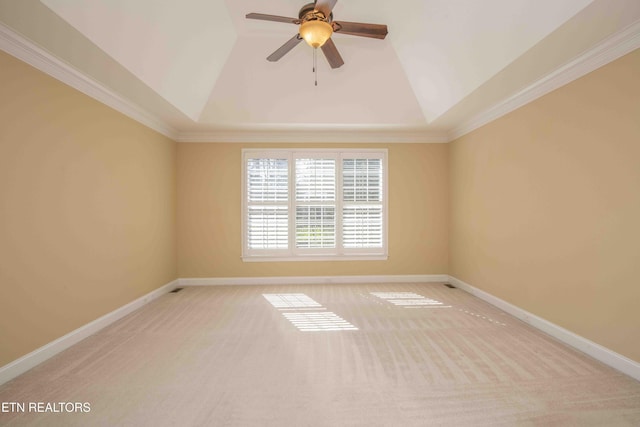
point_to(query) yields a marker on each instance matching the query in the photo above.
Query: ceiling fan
(316, 27)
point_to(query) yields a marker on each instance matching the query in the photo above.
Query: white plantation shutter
(315, 200)
(362, 209)
(315, 227)
(267, 203)
(314, 204)
(362, 226)
(268, 227)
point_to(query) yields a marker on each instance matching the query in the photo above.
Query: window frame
(325, 254)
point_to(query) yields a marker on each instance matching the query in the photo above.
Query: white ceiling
(199, 66)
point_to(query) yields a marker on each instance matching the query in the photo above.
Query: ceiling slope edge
(25, 50)
(608, 50)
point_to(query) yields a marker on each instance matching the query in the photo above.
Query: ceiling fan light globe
(315, 32)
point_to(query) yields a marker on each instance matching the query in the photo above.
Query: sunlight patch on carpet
(409, 300)
(321, 321)
(296, 307)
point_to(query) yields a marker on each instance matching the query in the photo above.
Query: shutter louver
(267, 204)
(315, 203)
(362, 222)
(362, 226)
(315, 227)
(268, 227)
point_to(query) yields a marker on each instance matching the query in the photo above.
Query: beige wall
(539, 208)
(87, 209)
(545, 207)
(209, 234)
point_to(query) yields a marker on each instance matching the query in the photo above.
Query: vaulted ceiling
(198, 69)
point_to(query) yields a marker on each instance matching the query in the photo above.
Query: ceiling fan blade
(375, 31)
(331, 53)
(285, 48)
(325, 6)
(275, 18)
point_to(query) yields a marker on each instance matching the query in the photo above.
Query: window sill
(313, 258)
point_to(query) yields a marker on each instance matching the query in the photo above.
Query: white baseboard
(313, 280)
(598, 352)
(43, 353)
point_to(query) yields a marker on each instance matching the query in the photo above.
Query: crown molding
(292, 135)
(25, 50)
(608, 50)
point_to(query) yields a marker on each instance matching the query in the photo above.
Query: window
(314, 205)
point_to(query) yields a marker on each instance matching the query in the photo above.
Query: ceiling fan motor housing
(308, 13)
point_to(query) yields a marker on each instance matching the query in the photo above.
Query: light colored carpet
(331, 355)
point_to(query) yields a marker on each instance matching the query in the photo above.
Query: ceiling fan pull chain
(315, 64)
